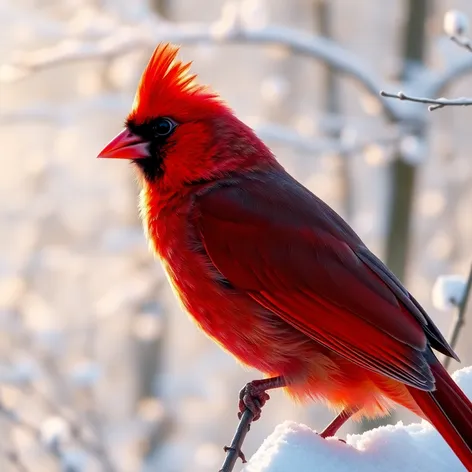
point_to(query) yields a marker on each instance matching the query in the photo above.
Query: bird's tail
(450, 412)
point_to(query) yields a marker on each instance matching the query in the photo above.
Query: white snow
(415, 447)
(455, 23)
(448, 291)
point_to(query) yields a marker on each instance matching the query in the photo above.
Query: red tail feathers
(450, 412)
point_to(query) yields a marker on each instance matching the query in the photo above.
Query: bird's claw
(238, 451)
(253, 398)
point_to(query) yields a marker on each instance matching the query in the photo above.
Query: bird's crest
(165, 80)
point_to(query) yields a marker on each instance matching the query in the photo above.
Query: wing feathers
(269, 236)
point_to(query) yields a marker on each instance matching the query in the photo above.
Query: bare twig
(463, 42)
(459, 320)
(233, 452)
(435, 103)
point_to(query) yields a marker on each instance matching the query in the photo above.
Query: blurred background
(99, 368)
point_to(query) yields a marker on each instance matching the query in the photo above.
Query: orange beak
(126, 145)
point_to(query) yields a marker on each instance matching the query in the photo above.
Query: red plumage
(269, 271)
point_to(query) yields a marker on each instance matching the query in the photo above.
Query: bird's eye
(163, 127)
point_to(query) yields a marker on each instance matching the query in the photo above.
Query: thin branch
(126, 39)
(435, 103)
(434, 84)
(233, 452)
(462, 41)
(459, 320)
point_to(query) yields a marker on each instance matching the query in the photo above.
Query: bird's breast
(221, 311)
(228, 315)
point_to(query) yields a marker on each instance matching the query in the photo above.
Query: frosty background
(99, 368)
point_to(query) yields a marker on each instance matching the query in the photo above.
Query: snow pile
(415, 447)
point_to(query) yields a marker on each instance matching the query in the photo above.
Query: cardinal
(270, 272)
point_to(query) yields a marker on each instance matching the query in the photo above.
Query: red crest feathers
(165, 81)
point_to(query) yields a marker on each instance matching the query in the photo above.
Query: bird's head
(178, 131)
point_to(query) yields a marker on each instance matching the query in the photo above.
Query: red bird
(272, 273)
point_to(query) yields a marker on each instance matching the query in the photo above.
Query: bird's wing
(268, 235)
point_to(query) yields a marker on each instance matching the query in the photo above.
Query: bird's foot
(253, 396)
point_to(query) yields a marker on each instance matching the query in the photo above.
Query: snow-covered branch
(456, 25)
(230, 29)
(227, 30)
(453, 291)
(432, 84)
(436, 84)
(459, 320)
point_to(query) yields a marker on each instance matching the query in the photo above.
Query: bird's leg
(253, 395)
(334, 426)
